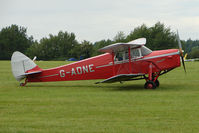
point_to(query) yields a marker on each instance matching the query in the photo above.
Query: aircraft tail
(23, 66)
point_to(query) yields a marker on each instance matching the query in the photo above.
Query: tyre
(149, 85)
(157, 83)
(22, 84)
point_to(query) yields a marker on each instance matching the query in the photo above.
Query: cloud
(94, 20)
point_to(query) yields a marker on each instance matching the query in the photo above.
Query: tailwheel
(23, 84)
(150, 85)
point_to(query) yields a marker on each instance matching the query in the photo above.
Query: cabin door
(121, 60)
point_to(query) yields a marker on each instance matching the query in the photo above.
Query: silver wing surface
(122, 46)
(120, 78)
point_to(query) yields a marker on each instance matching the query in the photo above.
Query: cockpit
(135, 53)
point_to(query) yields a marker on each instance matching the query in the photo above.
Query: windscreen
(145, 51)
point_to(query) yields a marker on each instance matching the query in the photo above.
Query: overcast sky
(94, 20)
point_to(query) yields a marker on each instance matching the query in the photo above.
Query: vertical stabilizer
(20, 65)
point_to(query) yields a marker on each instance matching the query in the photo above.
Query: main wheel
(157, 83)
(149, 85)
(22, 84)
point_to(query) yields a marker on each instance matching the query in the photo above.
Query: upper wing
(122, 46)
(119, 78)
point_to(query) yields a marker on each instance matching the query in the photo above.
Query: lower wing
(120, 77)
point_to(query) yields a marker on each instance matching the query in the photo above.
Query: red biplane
(120, 62)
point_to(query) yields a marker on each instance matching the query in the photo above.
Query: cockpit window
(135, 53)
(145, 51)
(119, 56)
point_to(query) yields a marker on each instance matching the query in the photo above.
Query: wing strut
(113, 63)
(130, 65)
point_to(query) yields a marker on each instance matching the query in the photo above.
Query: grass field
(82, 106)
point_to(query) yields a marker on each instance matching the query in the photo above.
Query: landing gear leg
(152, 80)
(23, 84)
(157, 83)
(155, 78)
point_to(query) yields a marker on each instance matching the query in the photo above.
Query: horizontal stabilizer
(119, 78)
(29, 73)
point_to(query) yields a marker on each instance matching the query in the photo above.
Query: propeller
(34, 58)
(181, 52)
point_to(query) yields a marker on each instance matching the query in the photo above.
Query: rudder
(21, 64)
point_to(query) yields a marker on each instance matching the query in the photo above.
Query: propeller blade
(34, 58)
(181, 52)
(182, 58)
(179, 43)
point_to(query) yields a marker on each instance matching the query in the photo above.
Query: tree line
(64, 45)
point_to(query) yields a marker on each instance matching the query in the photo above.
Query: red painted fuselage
(104, 66)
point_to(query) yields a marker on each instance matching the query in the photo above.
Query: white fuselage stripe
(157, 56)
(49, 76)
(104, 65)
(145, 58)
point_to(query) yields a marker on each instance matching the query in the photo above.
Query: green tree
(195, 52)
(120, 37)
(138, 32)
(86, 49)
(189, 46)
(100, 44)
(13, 38)
(162, 37)
(56, 47)
(158, 36)
(35, 50)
